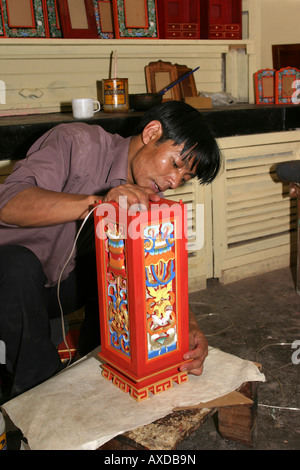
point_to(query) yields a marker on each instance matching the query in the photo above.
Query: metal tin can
(115, 95)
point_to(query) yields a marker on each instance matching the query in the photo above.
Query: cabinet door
(219, 11)
(180, 11)
(173, 10)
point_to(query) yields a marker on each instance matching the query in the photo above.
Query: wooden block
(238, 423)
(199, 102)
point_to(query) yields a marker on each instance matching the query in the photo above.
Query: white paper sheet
(79, 409)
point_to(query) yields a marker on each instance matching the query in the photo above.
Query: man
(65, 172)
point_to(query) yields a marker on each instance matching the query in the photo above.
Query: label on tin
(114, 92)
(3, 444)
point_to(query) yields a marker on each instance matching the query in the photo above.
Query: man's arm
(37, 207)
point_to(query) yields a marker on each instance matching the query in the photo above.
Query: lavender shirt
(73, 158)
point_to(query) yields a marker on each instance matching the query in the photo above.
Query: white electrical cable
(289, 408)
(59, 281)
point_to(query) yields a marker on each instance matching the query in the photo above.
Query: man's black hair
(184, 124)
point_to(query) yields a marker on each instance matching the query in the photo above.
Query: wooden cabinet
(179, 19)
(224, 19)
(195, 19)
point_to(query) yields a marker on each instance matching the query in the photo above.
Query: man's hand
(198, 348)
(128, 195)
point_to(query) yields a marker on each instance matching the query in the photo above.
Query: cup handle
(98, 106)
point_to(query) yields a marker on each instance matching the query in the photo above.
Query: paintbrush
(162, 92)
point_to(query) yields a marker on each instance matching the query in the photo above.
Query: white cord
(279, 407)
(288, 408)
(59, 281)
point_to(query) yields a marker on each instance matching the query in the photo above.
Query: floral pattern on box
(52, 13)
(101, 34)
(122, 31)
(1, 22)
(20, 32)
(45, 19)
(265, 86)
(286, 85)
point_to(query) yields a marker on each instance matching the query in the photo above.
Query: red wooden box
(179, 19)
(200, 19)
(224, 19)
(142, 270)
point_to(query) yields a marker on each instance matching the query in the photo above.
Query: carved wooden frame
(21, 30)
(52, 24)
(285, 78)
(100, 15)
(68, 30)
(125, 30)
(264, 82)
(158, 76)
(188, 84)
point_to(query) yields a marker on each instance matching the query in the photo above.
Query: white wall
(280, 24)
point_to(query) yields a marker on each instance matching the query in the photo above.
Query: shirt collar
(119, 168)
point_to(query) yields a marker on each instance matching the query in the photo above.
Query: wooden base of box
(139, 390)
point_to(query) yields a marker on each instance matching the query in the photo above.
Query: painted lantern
(142, 270)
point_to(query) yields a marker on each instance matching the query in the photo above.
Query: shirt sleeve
(45, 166)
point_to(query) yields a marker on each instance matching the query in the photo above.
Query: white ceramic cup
(84, 108)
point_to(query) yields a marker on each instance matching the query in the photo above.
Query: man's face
(159, 166)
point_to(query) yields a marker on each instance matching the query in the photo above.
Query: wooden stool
(236, 423)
